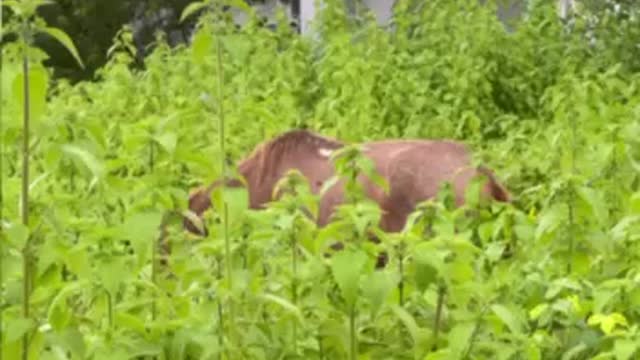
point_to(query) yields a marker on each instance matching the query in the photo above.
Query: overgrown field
(554, 275)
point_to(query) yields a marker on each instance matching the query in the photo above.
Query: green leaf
(201, 46)
(461, 271)
(625, 348)
(65, 40)
(58, 314)
(634, 201)
(240, 4)
(376, 289)
(574, 352)
(88, 159)
(608, 322)
(18, 326)
(168, 142)
(347, 266)
(551, 219)
(595, 202)
(78, 262)
(284, 304)
(113, 272)
(129, 321)
(514, 323)
(18, 234)
(460, 336)
(38, 80)
(408, 321)
(238, 46)
(192, 8)
(142, 229)
(237, 200)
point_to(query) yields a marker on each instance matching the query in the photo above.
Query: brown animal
(413, 169)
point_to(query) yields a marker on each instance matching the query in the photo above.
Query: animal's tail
(497, 190)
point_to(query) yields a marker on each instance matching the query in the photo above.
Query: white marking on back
(325, 152)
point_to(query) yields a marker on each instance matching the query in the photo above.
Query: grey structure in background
(302, 12)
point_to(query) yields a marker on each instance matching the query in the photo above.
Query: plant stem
(1, 210)
(352, 333)
(109, 309)
(474, 334)
(401, 272)
(436, 325)
(26, 252)
(223, 171)
(571, 194)
(220, 318)
(294, 288)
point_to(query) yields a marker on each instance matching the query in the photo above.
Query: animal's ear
(199, 200)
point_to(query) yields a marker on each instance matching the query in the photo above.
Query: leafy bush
(553, 275)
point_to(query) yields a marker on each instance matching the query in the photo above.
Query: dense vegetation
(553, 107)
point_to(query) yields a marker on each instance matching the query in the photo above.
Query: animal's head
(199, 202)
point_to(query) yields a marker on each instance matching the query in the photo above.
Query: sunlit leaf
(512, 321)
(168, 142)
(18, 234)
(607, 322)
(202, 46)
(37, 91)
(347, 268)
(192, 8)
(624, 349)
(65, 40)
(284, 304)
(87, 158)
(459, 337)
(18, 328)
(376, 287)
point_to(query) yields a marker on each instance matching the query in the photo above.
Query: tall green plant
(26, 26)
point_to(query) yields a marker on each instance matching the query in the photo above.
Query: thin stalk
(572, 195)
(436, 324)
(474, 334)
(26, 252)
(109, 309)
(158, 247)
(352, 333)
(401, 272)
(223, 170)
(294, 288)
(220, 319)
(1, 208)
(320, 347)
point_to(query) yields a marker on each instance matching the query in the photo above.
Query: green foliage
(552, 276)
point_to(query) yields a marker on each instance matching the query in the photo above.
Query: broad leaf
(65, 40)
(346, 267)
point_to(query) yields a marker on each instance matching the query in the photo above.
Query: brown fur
(413, 169)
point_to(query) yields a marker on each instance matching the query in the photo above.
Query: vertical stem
(571, 194)
(320, 347)
(352, 333)
(151, 156)
(294, 288)
(401, 272)
(475, 332)
(220, 318)
(1, 207)
(26, 252)
(223, 170)
(436, 324)
(109, 309)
